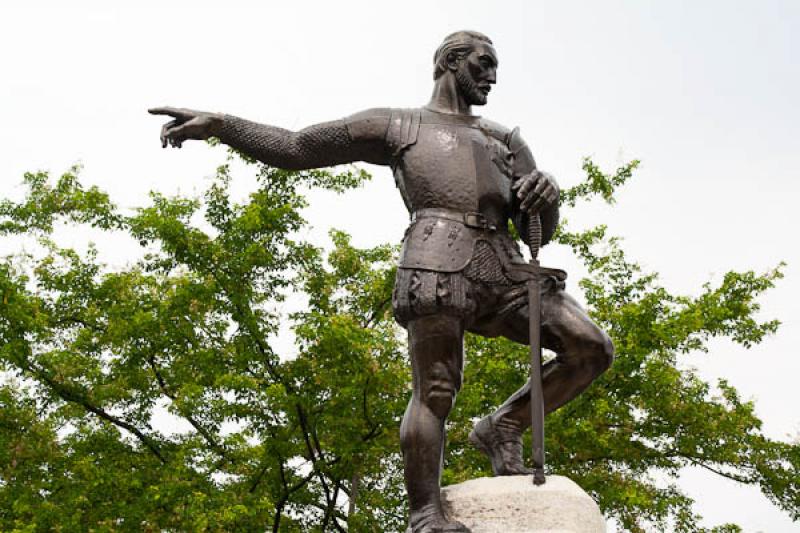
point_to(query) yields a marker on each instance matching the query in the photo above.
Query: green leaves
(163, 395)
(46, 202)
(598, 183)
(116, 358)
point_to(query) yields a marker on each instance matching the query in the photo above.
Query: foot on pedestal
(430, 519)
(503, 445)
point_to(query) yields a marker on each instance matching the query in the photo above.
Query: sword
(535, 324)
(483, 171)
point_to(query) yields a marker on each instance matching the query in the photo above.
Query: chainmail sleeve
(321, 145)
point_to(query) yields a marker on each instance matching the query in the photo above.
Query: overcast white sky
(704, 93)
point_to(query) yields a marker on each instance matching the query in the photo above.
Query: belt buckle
(474, 219)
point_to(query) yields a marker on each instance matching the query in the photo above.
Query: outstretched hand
(536, 191)
(186, 124)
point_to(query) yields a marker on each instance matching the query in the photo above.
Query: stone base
(513, 504)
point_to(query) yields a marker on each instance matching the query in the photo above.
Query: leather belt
(471, 219)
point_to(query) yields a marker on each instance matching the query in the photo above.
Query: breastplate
(455, 163)
(452, 162)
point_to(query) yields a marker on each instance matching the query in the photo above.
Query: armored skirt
(483, 294)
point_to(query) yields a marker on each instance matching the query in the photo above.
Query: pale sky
(704, 93)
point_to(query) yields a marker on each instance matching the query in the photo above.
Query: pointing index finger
(171, 111)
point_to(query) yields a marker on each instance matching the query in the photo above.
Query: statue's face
(476, 74)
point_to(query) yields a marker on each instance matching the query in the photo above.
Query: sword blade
(537, 394)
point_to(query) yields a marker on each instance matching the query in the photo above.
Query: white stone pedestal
(513, 504)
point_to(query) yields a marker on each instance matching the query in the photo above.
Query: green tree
(308, 441)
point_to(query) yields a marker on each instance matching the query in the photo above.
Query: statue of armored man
(462, 178)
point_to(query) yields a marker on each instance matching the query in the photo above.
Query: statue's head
(470, 57)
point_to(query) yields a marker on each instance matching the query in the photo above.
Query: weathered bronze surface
(462, 178)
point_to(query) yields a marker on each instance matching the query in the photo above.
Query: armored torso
(455, 175)
(451, 161)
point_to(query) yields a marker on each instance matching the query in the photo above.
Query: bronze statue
(462, 178)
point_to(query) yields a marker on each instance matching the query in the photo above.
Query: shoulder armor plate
(403, 129)
(368, 125)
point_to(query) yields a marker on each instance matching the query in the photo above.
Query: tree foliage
(305, 439)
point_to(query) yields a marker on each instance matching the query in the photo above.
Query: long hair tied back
(459, 43)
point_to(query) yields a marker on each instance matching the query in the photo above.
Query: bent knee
(600, 354)
(440, 397)
(595, 355)
(606, 353)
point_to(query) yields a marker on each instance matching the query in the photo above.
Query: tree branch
(733, 477)
(165, 389)
(73, 396)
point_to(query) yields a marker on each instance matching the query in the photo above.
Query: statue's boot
(503, 444)
(430, 519)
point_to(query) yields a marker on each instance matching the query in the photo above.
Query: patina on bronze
(462, 178)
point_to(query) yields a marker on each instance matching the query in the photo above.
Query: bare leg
(583, 352)
(437, 356)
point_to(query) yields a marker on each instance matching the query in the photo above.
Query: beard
(467, 86)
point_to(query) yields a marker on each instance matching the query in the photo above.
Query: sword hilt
(534, 235)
